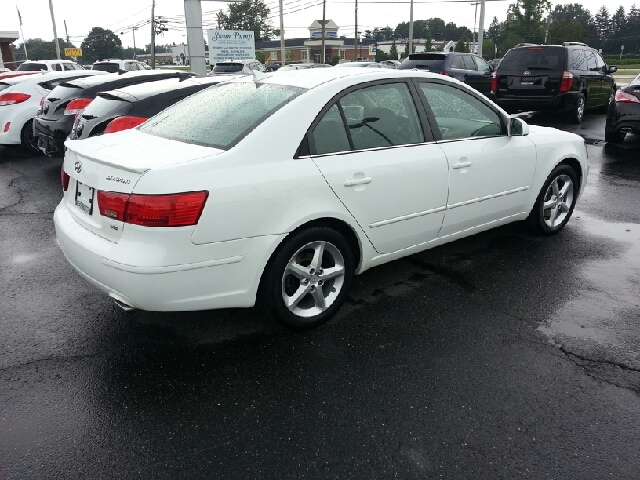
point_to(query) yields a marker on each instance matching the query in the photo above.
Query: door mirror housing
(518, 127)
(612, 69)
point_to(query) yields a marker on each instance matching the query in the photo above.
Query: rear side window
(32, 67)
(227, 68)
(577, 60)
(106, 67)
(534, 58)
(222, 115)
(457, 62)
(329, 135)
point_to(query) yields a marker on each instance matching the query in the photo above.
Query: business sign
(72, 52)
(373, 49)
(326, 34)
(231, 45)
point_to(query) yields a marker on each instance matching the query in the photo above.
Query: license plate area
(84, 197)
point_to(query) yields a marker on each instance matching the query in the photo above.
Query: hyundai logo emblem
(78, 167)
(527, 72)
(45, 109)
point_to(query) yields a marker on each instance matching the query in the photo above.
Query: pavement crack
(606, 362)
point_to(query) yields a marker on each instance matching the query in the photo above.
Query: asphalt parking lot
(503, 355)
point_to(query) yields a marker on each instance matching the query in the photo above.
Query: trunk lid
(109, 163)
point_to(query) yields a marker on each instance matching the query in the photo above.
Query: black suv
(568, 78)
(466, 67)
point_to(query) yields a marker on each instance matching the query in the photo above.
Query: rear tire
(577, 114)
(307, 279)
(614, 137)
(27, 138)
(555, 203)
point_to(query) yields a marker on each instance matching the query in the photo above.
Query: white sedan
(277, 189)
(19, 101)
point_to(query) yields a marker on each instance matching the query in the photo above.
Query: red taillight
(76, 106)
(13, 98)
(442, 72)
(624, 97)
(494, 81)
(535, 48)
(174, 210)
(64, 178)
(112, 204)
(123, 123)
(567, 81)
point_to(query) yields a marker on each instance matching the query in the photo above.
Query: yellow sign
(72, 52)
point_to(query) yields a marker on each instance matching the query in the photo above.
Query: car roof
(312, 77)
(47, 75)
(124, 76)
(149, 89)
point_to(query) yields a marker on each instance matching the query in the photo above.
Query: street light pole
(481, 28)
(153, 35)
(410, 49)
(55, 34)
(282, 53)
(355, 37)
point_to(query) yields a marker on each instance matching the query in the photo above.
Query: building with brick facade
(309, 50)
(7, 55)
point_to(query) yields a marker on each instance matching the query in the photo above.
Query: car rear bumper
(51, 134)
(561, 103)
(195, 277)
(624, 117)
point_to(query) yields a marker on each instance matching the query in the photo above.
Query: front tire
(614, 137)
(307, 279)
(577, 114)
(555, 203)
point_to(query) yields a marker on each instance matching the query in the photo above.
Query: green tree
(488, 49)
(101, 43)
(525, 19)
(393, 52)
(603, 23)
(252, 15)
(260, 57)
(461, 46)
(380, 55)
(39, 49)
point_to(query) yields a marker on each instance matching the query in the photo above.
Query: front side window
(481, 64)
(376, 116)
(600, 65)
(220, 116)
(57, 67)
(459, 114)
(591, 60)
(468, 62)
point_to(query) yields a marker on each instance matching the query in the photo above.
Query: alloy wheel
(558, 200)
(313, 278)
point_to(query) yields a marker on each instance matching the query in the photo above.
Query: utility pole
(153, 35)
(475, 20)
(355, 38)
(66, 33)
(324, 6)
(282, 35)
(410, 49)
(481, 28)
(133, 30)
(55, 34)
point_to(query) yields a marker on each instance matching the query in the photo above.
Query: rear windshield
(106, 67)
(534, 58)
(222, 115)
(423, 61)
(32, 67)
(227, 68)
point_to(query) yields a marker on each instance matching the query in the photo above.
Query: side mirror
(612, 69)
(518, 127)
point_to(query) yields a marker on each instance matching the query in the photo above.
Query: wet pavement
(503, 355)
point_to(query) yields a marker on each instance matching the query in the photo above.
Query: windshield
(32, 67)
(424, 61)
(222, 115)
(106, 67)
(534, 58)
(227, 68)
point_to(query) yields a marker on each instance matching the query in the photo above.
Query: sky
(117, 15)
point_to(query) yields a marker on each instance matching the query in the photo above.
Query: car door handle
(461, 165)
(357, 181)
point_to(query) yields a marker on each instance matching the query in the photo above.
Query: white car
(116, 65)
(237, 67)
(48, 66)
(370, 166)
(20, 98)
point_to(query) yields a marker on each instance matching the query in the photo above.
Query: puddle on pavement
(606, 312)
